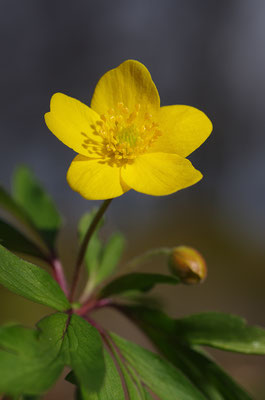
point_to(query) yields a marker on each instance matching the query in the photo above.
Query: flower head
(125, 140)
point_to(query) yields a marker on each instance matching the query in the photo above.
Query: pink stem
(93, 305)
(58, 274)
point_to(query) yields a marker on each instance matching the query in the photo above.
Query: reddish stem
(58, 274)
(93, 305)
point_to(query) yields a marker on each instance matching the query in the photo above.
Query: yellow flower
(125, 140)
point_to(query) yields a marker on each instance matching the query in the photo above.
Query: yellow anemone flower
(125, 140)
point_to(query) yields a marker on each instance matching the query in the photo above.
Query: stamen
(126, 133)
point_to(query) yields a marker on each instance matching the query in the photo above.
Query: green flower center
(126, 134)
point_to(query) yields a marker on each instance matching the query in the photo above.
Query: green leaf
(133, 385)
(39, 207)
(165, 381)
(150, 317)
(95, 246)
(111, 388)
(205, 374)
(134, 388)
(30, 281)
(223, 331)
(9, 205)
(210, 379)
(147, 395)
(136, 281)
(83, 352)
(112, 253)
(13, 240)
(29, 361)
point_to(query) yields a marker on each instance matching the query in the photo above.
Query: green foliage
(136, 281)
(13, 240)
(82, 350)
(37, 204)
(32, 360)
(223, 331)
(94, 248)
(166, 382)
(206, 375)
(101, 259)
(30, 281)
(29, 361)
(132, 384)
(11, 206)
(111, 387)
(111, 255)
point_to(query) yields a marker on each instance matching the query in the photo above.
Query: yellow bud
(188, 264)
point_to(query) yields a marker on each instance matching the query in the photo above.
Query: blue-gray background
(208, 54)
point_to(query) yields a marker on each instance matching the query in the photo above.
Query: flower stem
(136, 261)
(84, 245)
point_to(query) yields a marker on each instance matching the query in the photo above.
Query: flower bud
(188, 264)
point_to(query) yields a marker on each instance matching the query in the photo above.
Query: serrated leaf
(95, 246)
(38, 205)
(223, 331)
(136, 281)
(167, 382)
(210, 379)
(30, 281)
(111, 255)
(111, 388)
(14, 240)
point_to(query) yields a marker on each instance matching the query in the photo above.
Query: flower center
(127, 134)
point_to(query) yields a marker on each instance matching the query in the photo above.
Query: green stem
(84, 245)
(90, 285)
(136, 261)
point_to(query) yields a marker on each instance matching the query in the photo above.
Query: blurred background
(208, 54)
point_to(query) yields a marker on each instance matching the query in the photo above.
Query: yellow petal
(130, 83)
(72, 122)
(95, 179)
(159, 174)
(183, 129)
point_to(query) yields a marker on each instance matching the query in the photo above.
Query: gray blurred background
(208, 54)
